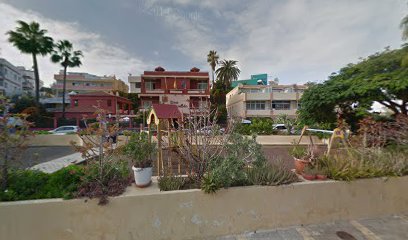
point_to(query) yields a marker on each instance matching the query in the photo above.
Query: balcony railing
(176, 91)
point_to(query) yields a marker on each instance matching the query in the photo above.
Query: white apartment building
(135, 83)
(248, 101)
(11, 79)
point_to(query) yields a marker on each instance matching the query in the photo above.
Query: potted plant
(139, 149)
(300, 156)
(321, 174)
(309, 173)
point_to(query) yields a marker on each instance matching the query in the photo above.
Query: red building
(85, 105)
(185, 89)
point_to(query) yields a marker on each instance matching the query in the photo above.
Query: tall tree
(212, 59)
(30, 39)
(228, 72)
(65, 55)
(353, 90)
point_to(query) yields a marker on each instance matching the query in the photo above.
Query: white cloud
(297, 41)
(100, 56)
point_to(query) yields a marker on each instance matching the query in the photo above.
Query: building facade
(188, 90)
(86, 104)
(135, 83)
(11, 79)
(257, 79)
(248, 101)
(84, 83)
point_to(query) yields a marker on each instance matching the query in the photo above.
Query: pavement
(392, 227)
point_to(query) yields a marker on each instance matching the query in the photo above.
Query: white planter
(143, 176)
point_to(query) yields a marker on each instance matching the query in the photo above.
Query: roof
(166, 111)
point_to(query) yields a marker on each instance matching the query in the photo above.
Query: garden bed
(151, 214)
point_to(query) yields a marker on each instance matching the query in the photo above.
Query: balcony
(154, 91)
(258, 96)
(197, 91)
(284, 96)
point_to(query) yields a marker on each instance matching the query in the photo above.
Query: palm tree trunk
(37, 79)
(213, 78)
(63, 92)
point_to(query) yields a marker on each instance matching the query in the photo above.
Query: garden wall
(149, 214)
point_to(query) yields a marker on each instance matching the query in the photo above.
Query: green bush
(41, 132)
(271, 174)
(258, 126)
(171, 183)
(29, 184)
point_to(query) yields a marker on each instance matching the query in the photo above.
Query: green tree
(65, 54)
(212, 59)
(228, 72)
(380, 78)
(30, 39)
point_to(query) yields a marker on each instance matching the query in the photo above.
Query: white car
(64, 130)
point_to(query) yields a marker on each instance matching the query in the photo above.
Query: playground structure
(166, 119)
(337, 135)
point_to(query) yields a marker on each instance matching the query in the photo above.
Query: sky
(294, 40)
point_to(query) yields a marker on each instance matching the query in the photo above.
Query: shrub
(365, 163)
(209, 183)
(140, 149)
(104, 180)
(29, 184)
(171, 183)
(271, 174)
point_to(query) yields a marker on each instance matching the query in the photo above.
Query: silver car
(64, 130)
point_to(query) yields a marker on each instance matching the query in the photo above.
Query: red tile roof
(165, 111)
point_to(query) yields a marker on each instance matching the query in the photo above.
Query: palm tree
(228, 72)
(404, 27)
(30, 39)
(65, 54)
(212, 59)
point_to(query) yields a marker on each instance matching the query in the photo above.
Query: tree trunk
(63, 91)
(4, 174)
(213, 80)
(37, 79)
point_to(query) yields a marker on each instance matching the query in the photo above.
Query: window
(202, 85)
(149, 85)
(75, 84)
(255, 105)
(138, 85)
(183, 84)
(76, 103)
(87, 84)
(281, 105)
(109, 103)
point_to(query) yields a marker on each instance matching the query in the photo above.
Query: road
(35, 155)
(394, 227)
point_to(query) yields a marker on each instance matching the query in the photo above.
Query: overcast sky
(294, 40)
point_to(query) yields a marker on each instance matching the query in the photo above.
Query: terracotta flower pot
(309, 177)
(300, 165)
(321, 177)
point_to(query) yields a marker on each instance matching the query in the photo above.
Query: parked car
(209, 129)
(279, 127)
(64, 130)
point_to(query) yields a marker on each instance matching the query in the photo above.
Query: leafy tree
(212, 59)
(30, 39)
(65, 54)
(228, 72)
(380, 78)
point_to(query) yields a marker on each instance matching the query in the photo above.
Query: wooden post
(159, 147)
(169, 162)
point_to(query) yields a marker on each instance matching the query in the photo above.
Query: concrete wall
(53, 140)
(150, 214)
